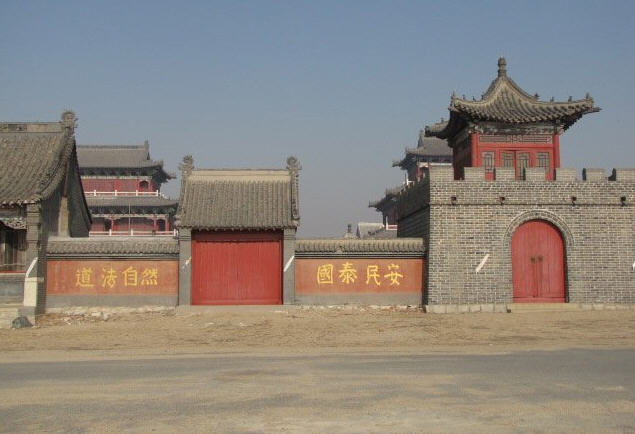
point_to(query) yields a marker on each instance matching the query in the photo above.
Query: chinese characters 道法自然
(109, 277)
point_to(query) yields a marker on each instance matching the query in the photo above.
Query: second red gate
(538, 263)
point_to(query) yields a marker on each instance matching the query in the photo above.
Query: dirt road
(295, 329)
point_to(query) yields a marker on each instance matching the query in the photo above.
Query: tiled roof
(239, 199)
(426, 147)
(135, 201)
(33, 159)
(118, 157)
(360, 247)
(389, 194)
(505, 102)
(99, 246)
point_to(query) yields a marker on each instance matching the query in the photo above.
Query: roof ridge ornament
(292, 164)
(68, 118)
(502, 67)
(294, 167)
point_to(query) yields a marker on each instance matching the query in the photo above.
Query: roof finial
(537, 96)
(502, 67)
(570, 98)
(187, 165)
(69, 119)
(293, 165)
(588, 96)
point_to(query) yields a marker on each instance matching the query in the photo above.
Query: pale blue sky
(343, 85)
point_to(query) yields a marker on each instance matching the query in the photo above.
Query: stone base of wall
(381, 299)
(12, 285)
(522, 307)
(465, 308)
(65, 301)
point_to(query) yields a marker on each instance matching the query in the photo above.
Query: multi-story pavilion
(429, 151)
(508, 127)
(123, 190)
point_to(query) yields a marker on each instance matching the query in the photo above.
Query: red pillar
(476, 157)
(556, 151)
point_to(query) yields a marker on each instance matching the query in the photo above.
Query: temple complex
(123, 190)
(508, 127)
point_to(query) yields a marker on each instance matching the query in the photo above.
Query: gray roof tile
(98, 246)
(118, 157)
(33, 160)
(426, 147)
(238, 199)
(365, 247)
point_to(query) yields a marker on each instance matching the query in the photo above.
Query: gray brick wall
(473, 218)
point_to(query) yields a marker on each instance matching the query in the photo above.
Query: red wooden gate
(538, 263)
(237, 268)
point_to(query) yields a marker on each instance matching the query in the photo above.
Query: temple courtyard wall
(453, 253)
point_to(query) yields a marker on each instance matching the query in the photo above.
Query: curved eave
(523, 112)
(444, 130)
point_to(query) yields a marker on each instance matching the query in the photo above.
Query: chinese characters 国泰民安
(347, 274)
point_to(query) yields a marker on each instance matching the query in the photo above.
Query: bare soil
(306, 329)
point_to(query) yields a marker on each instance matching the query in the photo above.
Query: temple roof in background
(110, 157)
(426, 147)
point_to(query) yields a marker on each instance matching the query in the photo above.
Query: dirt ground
(306, 329)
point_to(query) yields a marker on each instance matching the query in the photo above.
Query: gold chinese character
(129, 276)
(108, 278)
(83, 278)
(325, 274)
(150, 276)
(394, 275)
(372, 272)
(347, 273)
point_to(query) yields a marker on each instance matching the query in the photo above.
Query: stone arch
(540, 214)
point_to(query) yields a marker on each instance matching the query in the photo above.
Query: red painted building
(508, 127)
(122, 185)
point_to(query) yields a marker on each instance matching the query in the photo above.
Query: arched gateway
(538, 263)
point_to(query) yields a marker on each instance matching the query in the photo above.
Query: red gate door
(538, 263)
(237, 268)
